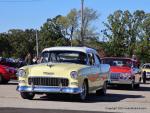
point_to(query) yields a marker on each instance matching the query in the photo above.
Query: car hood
(118, 69)
(147, 70)
(53, 69)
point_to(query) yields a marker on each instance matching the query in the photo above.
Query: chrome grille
(114, 75)
(148, 73)
(48, 81)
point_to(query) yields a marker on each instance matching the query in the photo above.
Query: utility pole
(37, 44)
(82, 34)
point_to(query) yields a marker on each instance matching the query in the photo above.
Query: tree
(5, 47)
(68, 24)
(143, 51)
(22, 42)
(124, 31)
(51, 34)
(89, 15)
(128, 34)
(115, 32)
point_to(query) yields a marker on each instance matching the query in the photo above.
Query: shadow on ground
(26, 110)
(143, 87)
(92, 98)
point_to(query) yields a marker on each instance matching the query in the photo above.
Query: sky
(26, 14)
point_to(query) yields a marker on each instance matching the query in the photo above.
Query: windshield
(146, 66)
(64, 56)
(119, 62)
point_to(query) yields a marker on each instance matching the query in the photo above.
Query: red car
(7, 73)
(123, 71)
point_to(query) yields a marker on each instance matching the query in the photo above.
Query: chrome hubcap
(83, 93)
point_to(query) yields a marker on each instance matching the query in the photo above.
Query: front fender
(105, 68)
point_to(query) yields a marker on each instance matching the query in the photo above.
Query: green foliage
(89, 32)
(51, 34)
(5, 47)
(68, 24)
(128, 34)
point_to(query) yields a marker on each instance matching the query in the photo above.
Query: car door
(94, 76)
(101, 73)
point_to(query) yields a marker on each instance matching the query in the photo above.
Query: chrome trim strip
(42, 89)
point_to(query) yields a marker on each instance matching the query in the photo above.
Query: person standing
(28, 59)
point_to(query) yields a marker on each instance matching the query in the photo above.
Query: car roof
(146, 64)
(81, 49)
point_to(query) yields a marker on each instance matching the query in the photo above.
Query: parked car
(7, 73)
(11, 62)
(145, 72)
(123, 71)
(72, 70)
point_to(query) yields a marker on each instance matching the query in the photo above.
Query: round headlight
(21, 73)
(74, 74)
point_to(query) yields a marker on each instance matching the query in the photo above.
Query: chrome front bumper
(148, 76)
(42, 89)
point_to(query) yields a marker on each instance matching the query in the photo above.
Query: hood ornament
(48, 73)
(50, 64)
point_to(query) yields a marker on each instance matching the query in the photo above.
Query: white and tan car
(71, 70)
(145, 72)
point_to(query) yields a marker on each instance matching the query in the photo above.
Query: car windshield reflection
(64, 56)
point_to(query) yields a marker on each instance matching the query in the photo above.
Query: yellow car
(146, 72)
(71, 70)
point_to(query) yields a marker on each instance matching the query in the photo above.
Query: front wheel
(27, 95)
(83, 95)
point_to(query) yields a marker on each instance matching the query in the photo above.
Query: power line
(82, 34)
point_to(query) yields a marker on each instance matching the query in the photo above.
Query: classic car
(145, 72)
(71, 70)
(7, 73)
(123, 71)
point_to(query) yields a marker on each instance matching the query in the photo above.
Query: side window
(91, 59)
(97, 60)
(45, 57)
